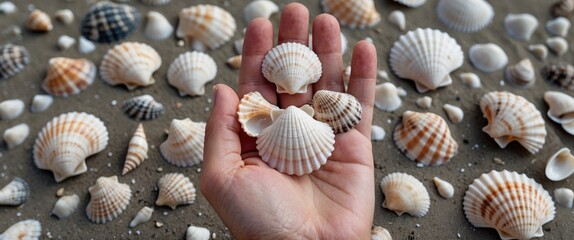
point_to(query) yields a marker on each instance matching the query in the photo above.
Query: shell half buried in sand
(405, 194)
(108, 199)
(341, 111)
(25, 230)
(205, 26)
(184, 144)
(465, 15)
(14, 193)
(175, 189)
(190, 71)
(131, 64)
(254, 113)
(353, 14)
(67, 76)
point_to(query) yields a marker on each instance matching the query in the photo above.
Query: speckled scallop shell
(137, 150)
(184, 144)
(341, 111)
(561, 74)
(354, 14)
(13, 59)
(175, 189)
(254, 113)
(14, 193)
(405, 194)
(513, 118)
(465, 15)
(427, 57)
(66, 205)
(66, 141)
(292, 67)
(108, 22)
(295, 143)
(190, 71)
(108, 199)
(39, 21)
(67, 76)
(143, 107)
(561, 109)
(131, 64)
(520, 26)
(24, 230)
(425, 138)
(205, 26)
(560, 165)
(156, 2)
(513, 204)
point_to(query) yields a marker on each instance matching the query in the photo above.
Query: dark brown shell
(561, 74)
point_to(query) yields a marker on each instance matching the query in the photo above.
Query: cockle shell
(130, 63)
(353, 14)
(424, 102)
(341, 111)
(520, 26)
(16, 135)
(66, 205)
(142, 216)
(11, 108)
(205, 26)
(380, 233)
(65, 16)
(564, 197)
(137, 150)
(24, 230)
(444, 188)
(427, 57)
(465, 15)
(175, 189)
(454, 113)
(558, 26)
(377, 133)
(279, 149)
(108, 22)
(143, 107)
(398, 18)
(66, 141)
(283, 65)
(561, 109)
(184, 144)
(560, 165)
(487, 57)
(561, 74)
(521, 74)
(513, 204)
(67, 76)
(254, 113)
(405, 194)
(540, 51)
(513, 118)
(39, 21)
(156, 2)
(108, 199)
(197, 233)
(41, 103)
(558, 45)
(259, 8)
(411, 3)
(13, 59)
(387, 97)
(190, 71)
(14, 193)
(425, 138)
(563, 8)
(157, 27)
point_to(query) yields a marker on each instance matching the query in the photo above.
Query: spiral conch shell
(184, 144)
(205, 26)
(190, 72)
(254, 113)
(137, 151)
(341, 111)
(109, 199)
(131, 64)
(354, 14)
(405, 194)
(175, 189)
(67, 76)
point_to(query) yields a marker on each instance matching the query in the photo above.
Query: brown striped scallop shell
(39, 21)
(184, 144)
(137, 151)
(108, 199)
(354, 14)
(67, 76)
(341, 111)
(175, 189)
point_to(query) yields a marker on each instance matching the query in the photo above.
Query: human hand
(257, 202)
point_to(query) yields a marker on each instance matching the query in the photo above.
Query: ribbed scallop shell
(24, 230)
(131, 64)
(108, 22)
(184, 144)
(354, 14)
(561, 74)
(108, 199)
(190, 71)
(205, 26)
(425, 138)
(341, 111)
(66, 141)
(13, 59)
(465, 15)
(39, 21)
(14, 193)
(513, 118)
(427, 57)
(156, 2)
(137, 150)
(157, 26)
(67, 76)
(66, 205)
(143, 107)
(295, 143)
(291, 66)
(254, 113)
(405, 194)
(175, 189)
(380, 233)
(560, 165)
(513, 204)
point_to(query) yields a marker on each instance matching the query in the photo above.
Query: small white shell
(39, 21)
(157, 27)
(564, 197)
(235, 61)
(347, 76)
(465, 15)
(380, 233)
(238, 45)
(561, 109)
(85, 46)
(14, 193)
(444, 188)
(387, 97)
(454, 113)
(142, 216)
(560, 165)
(520, 26)
(65, 42)
(23, 230)
(487, 57)
(184, 144)
(342, 111)
(190, 71)
(175, 189)
(65, 206)
(197, 233)
(66, 16)
(254, 113)
(7, 7)
(131, 64)
(68, 76)
(10, 109)
(108, 199)
(521, 74)
(424, 102)
(397, 17)
(404, 193)
(16, 135)
(382, 74)
(137, 150)
(412, 3)
(259, 8)
(558, 45)
(558, 26)
(377, 133)
(205, 26)
(540, 51)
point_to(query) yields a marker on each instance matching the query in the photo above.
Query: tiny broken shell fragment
(66, 16)
(377, 133)
(560, 165)
(14, 193)
(540, 51)
(341, 111)
(397, 18)
(131, 64)
(175, 189)
(41, 103)
(405, 194)
(108, 199)
(184, 144)
(143, 108)
(66, 205)
(558, 45)
(380, 233)
(424, 102)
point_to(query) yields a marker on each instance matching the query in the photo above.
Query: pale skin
(257, 202)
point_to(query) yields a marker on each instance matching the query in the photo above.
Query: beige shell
(66, 205)
(341, 111)
(67, 76)
(405, 194)
(561, 109)
(190, 71)
(131, 64)
(470, 79)
(65, 16)
(454, 113)
(175, 189)
(11, 108)
(353, 14)
(520, 26)
(560, 165)
(184, 145)
(521, 74)
(387, 97)
(380, 233)
(465, 15)
(137, 150)
(425, 138)
(15, 193)
(397, 17)
(16, 135)
(142, 216)
(513, 118)
(235, 61)
(377, 133)
(254, 113)
(558, 45)
(564, 197)
(540, 51)
(39, 21)
(513, 204)
(157, 26)
(108, 200)
(444, 188)
(424, 102)
(197, 233)
(563, 8)
(205, 26)
(295, 143)
(24, 230)
(283, 65)
(66, 141)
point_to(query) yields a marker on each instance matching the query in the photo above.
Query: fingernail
(214, 94)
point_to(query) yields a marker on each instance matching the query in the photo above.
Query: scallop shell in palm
(190, 72)
(254, 113)
(67, 76)
(137, 151)
(175, 189)
(354, 14)
(13, 59)
(143, 108)
(108, 22)
(341, 111)
(465, 15)
(108, 199)
(14, 193)
(205, 26)
(26, 230)
(131, 64)
(39, 21)
(561, 74)
(405, 194)
(184, 144)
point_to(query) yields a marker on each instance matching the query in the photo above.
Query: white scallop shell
(558, 45)
(353, 14)
(487, 57)
(561, 109)
(520, 26)
(380, 233)
(377, 133)
(397, 17)
(16, 135)
(387, 97)
(184, 144)
(108, 200)
(427, 57)
(465, 15)
(137, 150)
(405, 194)
(25, 230)
(254, 113)
(564, 197)
(558, 26)
(39, 21)
(14, 193)
(521, 74)
(560, 165)
(540, 51)
(131, 64)
(143, 215)
(10, 109)
(444, 188)
(424, 102)
(190, 71)
(197, 233)
(65, 206)
(157, 27)
(341, 111)
(66, 16)
(175, 189)
(454, 113)
(41, 103)
(205, 26)
(412, 3)
(259, 8)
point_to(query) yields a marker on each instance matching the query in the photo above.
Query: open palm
(257, 202)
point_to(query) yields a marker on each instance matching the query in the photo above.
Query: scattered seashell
(353, 14)
(561, 109)
(184, 144)
(238, 45)
(190, 71)
(282, 67)
(108, 22)
(558, 26)
(424, 102)
(137, 151)
(144, 215)
(130, 63)
(26, 229)
(425, 138)
(67, 76)
(60, 192)
(39, 21)
(254, 113)
(454, 113)
(278, 149)
(540, 51)
(14, 193)
(411, 3)
(427, 57)
(521, 74)
(197, 233)
(487, 57)
(560, 165)
(7, 7)
(563, 8)
(41, 103)
(13, 59)
(259, 8)
(513, 118)
(405, 194)
(156, 2)
(387, 97)
(383, 75)
(205, 26)
(341, 111)
(175, 189)
(380, 233)
(143, 107)
(558, 45)
(465, 15)
(66, 141)
(377, 133)
(85, 46)
(564, 197)
(65, 42)
(108, 200)
(66, 205)
(561, 74)
(520, 26)
(11, 108)
(515, 205)
(16, 135)
(397, 17)
(444, 188)
(401, 92)
(65, 16)
(157, 27)
(235, 61)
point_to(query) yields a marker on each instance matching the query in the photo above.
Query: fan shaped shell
(561, 74)
(380, 233)
(341, 111)
(354, 14)
(184, 144)
(175, 189)
(465, 15)
(131, 64)
(143, 108)
(108, 199)
(254, 113)
(13, 59)
(67, 76)
(39, 21)
(405, 194)
(205, 26)
(387, 97)
(14, 193)
(560, 165)
(137, 150)
(190, 71)
(108, 22)
(26, 230)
